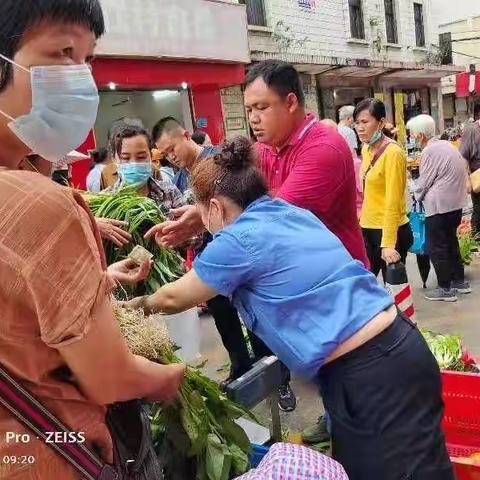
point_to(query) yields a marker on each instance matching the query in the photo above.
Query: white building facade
(352, 49)
(461, 93)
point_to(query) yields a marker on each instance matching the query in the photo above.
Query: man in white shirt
(345, 126)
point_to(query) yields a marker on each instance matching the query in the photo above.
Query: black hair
(375, 107)
(100, 155)
(17, 16)
(279, 76)
(232, 173)
(116, 128)
(130, 132)
(165, 125)
(445, 136)
(199, 137)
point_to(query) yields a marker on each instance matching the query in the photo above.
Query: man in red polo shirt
(305, 163)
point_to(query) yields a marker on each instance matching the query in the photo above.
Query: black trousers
(229, 327)
(373, 244)
(385, 402)
(442, 245)
(476, 213)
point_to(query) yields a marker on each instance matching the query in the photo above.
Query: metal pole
(276, 430)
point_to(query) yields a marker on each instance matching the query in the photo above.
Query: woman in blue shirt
(323, 314)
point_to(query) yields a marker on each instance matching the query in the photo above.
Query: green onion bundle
(141, 214)
(199, 427)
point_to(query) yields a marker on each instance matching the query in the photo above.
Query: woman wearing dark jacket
(470, 149)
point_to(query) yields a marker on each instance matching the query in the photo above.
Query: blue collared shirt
(293, 282)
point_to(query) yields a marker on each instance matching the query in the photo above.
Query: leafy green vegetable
(469, 245)
(141, 214)
(448, 351)
(199, 427)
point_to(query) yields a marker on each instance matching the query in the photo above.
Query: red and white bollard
(396, 282)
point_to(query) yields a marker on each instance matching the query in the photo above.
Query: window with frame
(357, 28)
(391, 21)
(255, 12)
(419, 24)
(445, 43)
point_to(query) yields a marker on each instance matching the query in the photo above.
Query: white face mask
(64, 109)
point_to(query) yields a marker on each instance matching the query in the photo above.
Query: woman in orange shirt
(58, 335)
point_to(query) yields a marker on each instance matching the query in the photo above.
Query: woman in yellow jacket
(384, 220)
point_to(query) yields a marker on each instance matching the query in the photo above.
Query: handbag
(417, 224)
(475, 181)
(134, 456)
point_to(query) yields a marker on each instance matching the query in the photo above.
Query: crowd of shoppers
(334, 324)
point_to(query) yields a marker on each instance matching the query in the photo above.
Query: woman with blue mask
(134, 167)
(384, 221)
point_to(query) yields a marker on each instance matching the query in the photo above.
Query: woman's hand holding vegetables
(135, 304)
(173, 376)
(390, 255)
(186, 224)
(113, 230)
(128, 272)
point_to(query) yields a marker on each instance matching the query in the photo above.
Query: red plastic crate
(461, 421)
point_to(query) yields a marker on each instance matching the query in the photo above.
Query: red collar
(308, 122)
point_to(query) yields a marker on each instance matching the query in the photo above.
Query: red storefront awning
(463, 84)
(151, 74)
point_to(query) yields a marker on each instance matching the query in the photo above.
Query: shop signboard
(176, 29)
(307, 4)
(235, 123)
(202, 122)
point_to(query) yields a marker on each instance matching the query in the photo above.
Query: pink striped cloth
(286, 461)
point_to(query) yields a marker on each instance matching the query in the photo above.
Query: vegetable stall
(461, 395)
(197, 435)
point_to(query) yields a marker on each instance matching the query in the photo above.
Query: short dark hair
(130, 132)
(279, 76)
(115, 129)
(100, 155)
(17, 16)
(375, 107)
(165, 125)
(199, 137)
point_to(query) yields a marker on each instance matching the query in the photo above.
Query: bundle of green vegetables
(141, 214)
(199, 428)
(449, 352)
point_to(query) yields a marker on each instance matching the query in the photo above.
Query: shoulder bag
(134, 456)
(375, 159)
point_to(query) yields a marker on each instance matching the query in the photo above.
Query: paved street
(462, 317)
